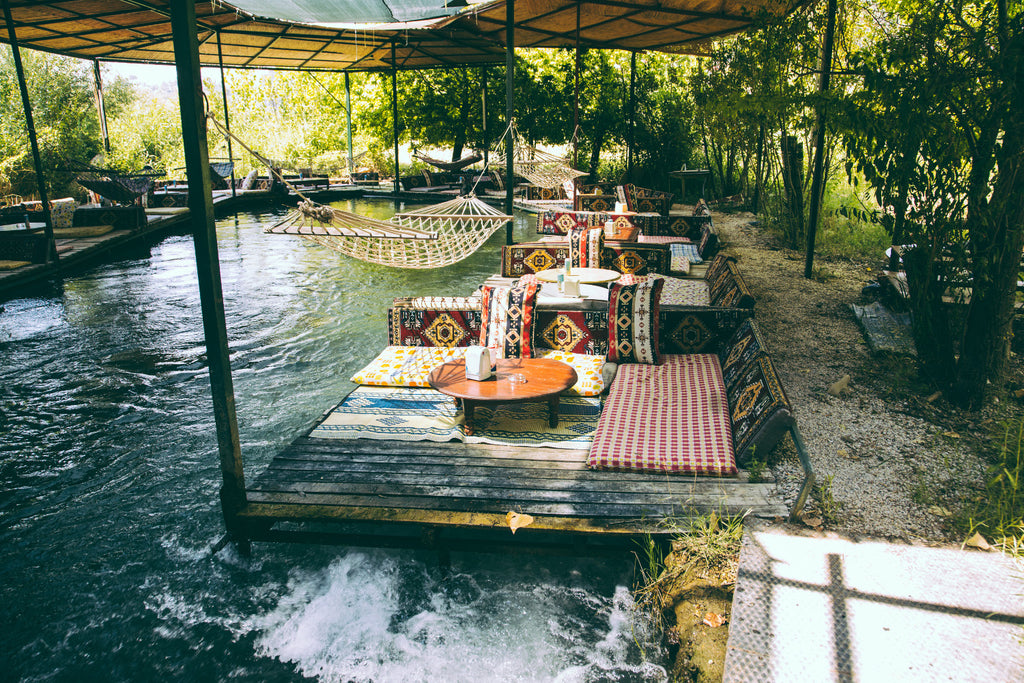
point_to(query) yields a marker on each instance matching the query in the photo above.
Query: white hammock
(541, 168)
(433, 237)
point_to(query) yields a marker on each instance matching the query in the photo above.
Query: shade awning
(140, 30)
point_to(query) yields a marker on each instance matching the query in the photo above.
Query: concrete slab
(823, 608)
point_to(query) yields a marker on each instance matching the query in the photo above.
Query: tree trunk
(793, 184)
(931, 316)
(755, 204)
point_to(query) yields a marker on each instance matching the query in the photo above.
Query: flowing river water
(109, 505)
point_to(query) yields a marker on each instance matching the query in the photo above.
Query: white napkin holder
(478, 363)
(572, 285)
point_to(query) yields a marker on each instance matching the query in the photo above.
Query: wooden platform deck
(410, 494)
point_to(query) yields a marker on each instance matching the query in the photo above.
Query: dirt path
(893, 462)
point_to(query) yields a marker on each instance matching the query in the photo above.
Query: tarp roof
(140, 30)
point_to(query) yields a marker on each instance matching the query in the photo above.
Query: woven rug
(393, 414)
(526, 424)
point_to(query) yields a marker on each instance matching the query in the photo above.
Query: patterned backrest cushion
(585, 247)
(761, 413)
(633, 322)
(708, 242)
(250, 179)
(745, 343)
(718, 267)
(409, 326)
(507, 319)
(730, 289)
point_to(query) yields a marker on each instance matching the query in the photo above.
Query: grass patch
(702, 548)
(827, 504)
(998, 514)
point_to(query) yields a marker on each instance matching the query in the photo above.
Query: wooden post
(510, 110)
(818, 178)
(394, 110)
(348, 125)
(483, 111)
(576, 104)
(204, 236)
(26, 103)
(632, 117)
(101, 108)
(227, 120)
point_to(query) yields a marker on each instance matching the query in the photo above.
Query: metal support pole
(26, 103)
(200, 203)
(227, 120)
(394, 109)
(483, 113)
(576, 105)
(510, 110)
(632, 116)
(101, 108)
(819, 138)
(348, 125)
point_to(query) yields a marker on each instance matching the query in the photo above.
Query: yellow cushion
(590, 370)
(406, 366)
(12, 265)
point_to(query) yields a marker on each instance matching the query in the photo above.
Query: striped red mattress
(672, 417)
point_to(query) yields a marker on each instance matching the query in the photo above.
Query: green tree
(937, 127)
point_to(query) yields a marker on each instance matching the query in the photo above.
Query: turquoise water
(109, 479)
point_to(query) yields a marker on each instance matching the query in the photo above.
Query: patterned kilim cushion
(413, 327)
(519, 259)
(682, 255)
(594, 202)
(589, 370)
(730, 289)
(761, 413)
(573, 331)
(672, 417)
(507, 313)
(679, 292)
(698, 330)
(717, 268)
(633, 322)
(745, 343)
(406, 366)
(586, 247)
(708, 242)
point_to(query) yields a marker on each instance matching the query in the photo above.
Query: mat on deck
(885, 330)
(415, 414)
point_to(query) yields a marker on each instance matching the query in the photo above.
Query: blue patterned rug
(393, 414)
(413, 414)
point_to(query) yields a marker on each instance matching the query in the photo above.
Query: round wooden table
(590, 276)
(544, 379)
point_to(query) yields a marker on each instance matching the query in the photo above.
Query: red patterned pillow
(633, 322)
(507, 319)
(585, 247)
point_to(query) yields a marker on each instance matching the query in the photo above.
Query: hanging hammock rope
(539, 167)
(450, 165)
(433, 237)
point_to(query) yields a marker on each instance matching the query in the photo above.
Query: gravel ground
(894, 463)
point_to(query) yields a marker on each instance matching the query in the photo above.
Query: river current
(109, 480)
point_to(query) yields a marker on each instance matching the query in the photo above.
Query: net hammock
(117, 186)
(541, 168)
(432, 237)
(450, 165)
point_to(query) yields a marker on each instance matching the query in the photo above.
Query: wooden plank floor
(454, 485)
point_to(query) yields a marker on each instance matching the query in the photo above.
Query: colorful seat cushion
(682, 255)
(406, 366)
(679, 292)
(672, 417)
(585, 247)
(594, 373)
(507, 319)
(761, 413)
(633, 322)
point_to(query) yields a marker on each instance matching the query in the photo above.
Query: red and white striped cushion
(672, 417)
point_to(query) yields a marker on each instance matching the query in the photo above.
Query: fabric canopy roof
(349, 11)
(140, 30)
